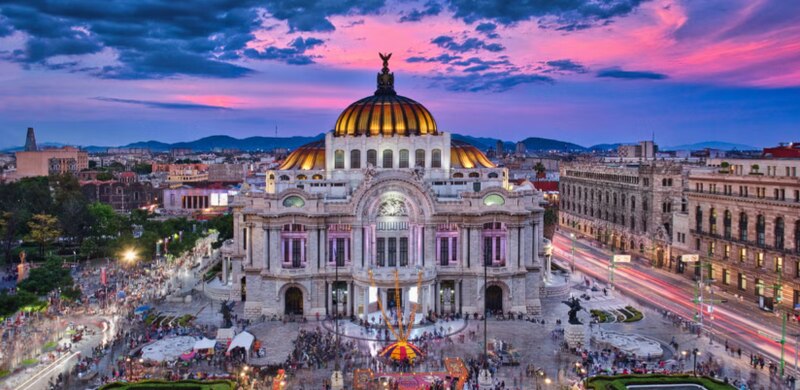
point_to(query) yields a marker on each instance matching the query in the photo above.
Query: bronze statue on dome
(385, 77)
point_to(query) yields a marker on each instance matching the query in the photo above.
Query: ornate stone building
(386, 193)
(626, 206)
(744, 219)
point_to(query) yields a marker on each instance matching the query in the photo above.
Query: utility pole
(699, 299)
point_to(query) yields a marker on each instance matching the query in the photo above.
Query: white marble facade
(307, 243)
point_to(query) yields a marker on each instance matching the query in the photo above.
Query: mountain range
(532, 144)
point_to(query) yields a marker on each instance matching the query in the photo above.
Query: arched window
(726, 222)
(302, 177)
(388, 158)
(436, 158)
(761, 229)
(355, 159)
(779, 233)
(699, 220)
(633, 203)
(284, 177)
(338, 159)
(712, 221)
(633, 224)
(474, 174)
(316, 177)
(492, 175)
(403, 158)
(743, 227)
(372, 157)
(419, 158)
(293, 201)
(458, 175)
(797, 236)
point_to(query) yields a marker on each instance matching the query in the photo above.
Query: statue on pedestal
(574, 307)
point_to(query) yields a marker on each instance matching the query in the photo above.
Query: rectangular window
(340, 252)
(404, 158)
(742, 281)
(727, 254)
(296, 259)
(759, 289)
(403, 251)
(444, 258)
(454, 250)
(743, 255)
(760, 259)
(726, 277)
(487, 251)
(779, 264)
(380, 248)
(712, 246)
(392, 252)
(244, 239)
(497, 248)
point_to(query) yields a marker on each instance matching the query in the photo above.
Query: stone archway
(494, 298)
(293, 301)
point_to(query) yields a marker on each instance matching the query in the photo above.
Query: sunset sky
(587, 71)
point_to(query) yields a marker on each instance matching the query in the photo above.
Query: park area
(622, 382)
(179, 385)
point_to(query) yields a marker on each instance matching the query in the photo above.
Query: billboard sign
(690, 258)
(622, 258)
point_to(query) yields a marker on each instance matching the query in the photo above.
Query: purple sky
(585, 71)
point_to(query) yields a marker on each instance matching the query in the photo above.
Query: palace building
(386, 207)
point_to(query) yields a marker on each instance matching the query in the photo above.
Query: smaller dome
(308, 157)
(464, 155)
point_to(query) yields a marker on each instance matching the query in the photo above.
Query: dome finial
(385, 78)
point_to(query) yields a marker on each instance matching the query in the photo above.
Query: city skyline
(582, 72)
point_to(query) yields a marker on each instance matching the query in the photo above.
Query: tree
(143, 168)
(74, 217)
(105, 221)
(43, 230)
(105, 176)
(550, 221)
(50, 276)
(89, 247)
(540, 170)
(224, 225)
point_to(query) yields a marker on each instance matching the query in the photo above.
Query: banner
(103, 277)
(622, 259)
(693, 258)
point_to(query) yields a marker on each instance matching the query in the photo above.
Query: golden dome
(464, 155)
(307, 157)
(385, 113)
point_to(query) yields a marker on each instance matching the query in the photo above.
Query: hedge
(163, 385)
(620, 382)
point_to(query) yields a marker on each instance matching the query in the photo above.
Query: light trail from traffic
(660, 293)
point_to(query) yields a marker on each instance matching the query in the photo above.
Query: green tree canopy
(43, 230)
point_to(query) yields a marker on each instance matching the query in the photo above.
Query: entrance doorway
(294, 301)
(393, 296)
(494, 299)
(339, 298)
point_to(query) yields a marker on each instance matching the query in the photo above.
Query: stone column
(275, 253)
(248, 238)
(366, 302)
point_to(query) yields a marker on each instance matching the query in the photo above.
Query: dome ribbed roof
(310, 156)
(385, 113)
(464, 155)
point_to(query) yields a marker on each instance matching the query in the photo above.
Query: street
(737, 322)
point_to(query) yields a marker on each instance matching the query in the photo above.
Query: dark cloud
(432, 8)
(442, 58)
(551, 14)
(165, 105)
(312, 15)
(487, 29)
(630, 74)
(164, 38)
(564, 66)
(294, 54)
(489, 82)
(469, 44)
(479, 61)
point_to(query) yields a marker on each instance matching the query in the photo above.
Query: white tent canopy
(204, 343)
(244, 340)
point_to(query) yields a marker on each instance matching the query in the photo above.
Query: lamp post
(485, 376)
(695, 352)
(337, 381)
(572, 236)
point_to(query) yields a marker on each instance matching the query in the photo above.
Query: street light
(129, 256)
(695, 352)
(572, 236)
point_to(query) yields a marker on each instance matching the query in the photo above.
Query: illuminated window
(338, 159)
(294, 201)
(494, 200)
